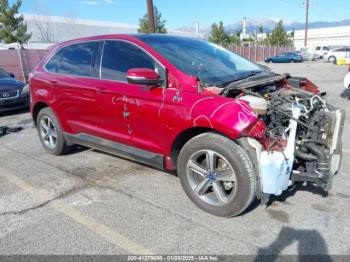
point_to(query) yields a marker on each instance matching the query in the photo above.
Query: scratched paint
(163, 101)
(196, 103)
(126, 113)
(204, 117)
(177, 97)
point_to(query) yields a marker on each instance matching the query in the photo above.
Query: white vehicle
(339, 53)
(321, 51)
(347, 80)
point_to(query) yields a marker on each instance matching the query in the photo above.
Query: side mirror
(12, 75)
(143, 76)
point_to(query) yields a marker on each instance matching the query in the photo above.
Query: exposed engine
(302, 141)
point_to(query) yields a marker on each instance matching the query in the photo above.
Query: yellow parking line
(104, 231)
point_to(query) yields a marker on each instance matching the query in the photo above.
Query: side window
(325, 48)
(79, 59)
(318, 48)
(119, 57)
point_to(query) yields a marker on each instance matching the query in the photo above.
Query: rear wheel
(217, 175)
(50, 133)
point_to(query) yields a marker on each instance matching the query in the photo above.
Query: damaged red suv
(233, 130)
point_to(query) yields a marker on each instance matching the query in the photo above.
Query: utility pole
(306, 21)
(197, 28)
(150, 11)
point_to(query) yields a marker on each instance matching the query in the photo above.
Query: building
(329, 36)
(52, 29)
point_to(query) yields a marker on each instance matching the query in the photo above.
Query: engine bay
(301, 141)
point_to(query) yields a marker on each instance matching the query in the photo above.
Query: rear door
(74, 79)
(325, 50)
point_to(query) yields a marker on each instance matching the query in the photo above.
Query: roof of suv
(126, 36)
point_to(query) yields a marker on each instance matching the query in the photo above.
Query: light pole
(306, 21)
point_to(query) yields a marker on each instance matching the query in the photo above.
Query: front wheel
(217, 175)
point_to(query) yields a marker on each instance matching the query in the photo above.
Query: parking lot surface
(89, 202)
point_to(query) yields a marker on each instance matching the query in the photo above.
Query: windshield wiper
(242, 76)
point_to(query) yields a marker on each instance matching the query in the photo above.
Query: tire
(50, 133)
(332, 59)
(203, 188)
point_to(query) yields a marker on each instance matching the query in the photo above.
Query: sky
(179, 13)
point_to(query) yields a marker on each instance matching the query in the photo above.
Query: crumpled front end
(302, 141)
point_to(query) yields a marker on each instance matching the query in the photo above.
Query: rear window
(77, 59)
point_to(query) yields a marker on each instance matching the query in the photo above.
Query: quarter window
(54, 63)
(119, 57)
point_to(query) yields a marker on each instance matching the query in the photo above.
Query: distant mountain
(268, 25)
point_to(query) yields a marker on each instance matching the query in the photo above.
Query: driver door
(282, 58)
(131, 113)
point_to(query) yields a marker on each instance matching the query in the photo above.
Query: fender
(227, 116)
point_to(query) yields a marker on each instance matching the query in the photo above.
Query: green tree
(160, 23)
(235, 38)
(261, 29)
(218, 34)
(13, 29)
(279, 36)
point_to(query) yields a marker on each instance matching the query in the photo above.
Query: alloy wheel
(211, 177)
(48, 132)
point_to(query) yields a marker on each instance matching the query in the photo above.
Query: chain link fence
(21, 62)
(258, 53)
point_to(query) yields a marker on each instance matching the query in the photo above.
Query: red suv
(233, 130)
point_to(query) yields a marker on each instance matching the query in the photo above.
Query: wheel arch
(36, 109)
(183, 137)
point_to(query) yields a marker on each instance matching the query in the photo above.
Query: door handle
(102, 90)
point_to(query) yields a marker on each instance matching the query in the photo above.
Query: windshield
(3, 73)
(212, 64)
